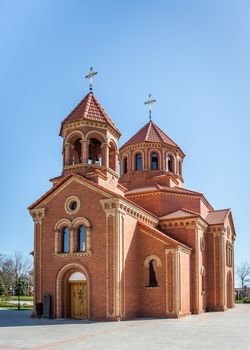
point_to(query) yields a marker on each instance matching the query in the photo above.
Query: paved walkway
(215, 330)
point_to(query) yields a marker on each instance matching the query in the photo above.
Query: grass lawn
(26, 302)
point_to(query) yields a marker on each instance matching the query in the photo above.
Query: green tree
(21, 286)
(2, 287)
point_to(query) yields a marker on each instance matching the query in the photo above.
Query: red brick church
(118, 236)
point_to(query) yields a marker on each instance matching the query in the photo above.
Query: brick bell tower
(90, 142)
(151, 157)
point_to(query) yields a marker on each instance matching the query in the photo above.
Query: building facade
(116, 244)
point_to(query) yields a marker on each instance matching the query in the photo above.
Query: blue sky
(193, 56)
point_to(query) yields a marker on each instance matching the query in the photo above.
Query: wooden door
(79, 300)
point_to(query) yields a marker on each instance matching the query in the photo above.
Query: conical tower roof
(150, 133)
(89, 108)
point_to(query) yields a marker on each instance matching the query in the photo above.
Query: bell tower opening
(95, 152)
(113, 156)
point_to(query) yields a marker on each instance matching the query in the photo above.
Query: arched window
(138, 161)
(170, 163)
(154, 161)
(125, 165)
(81, 239)
(152, 274)
(65, 240)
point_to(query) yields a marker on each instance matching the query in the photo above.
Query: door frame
(62, 286)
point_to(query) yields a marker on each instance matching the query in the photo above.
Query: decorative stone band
(188, 222)
(100, 167)
(150, 145)
(65, 255)
(130, 209)
(80, 123)
(37, 214)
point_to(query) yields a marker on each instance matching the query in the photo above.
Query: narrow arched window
(81, 239)
(154, 161)
(138, 161)
(170, 163)
(125, 165)
(152, 274)
(65, 240)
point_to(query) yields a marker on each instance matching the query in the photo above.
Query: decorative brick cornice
(113, 204)
(150, 145)
(74, 254)
(81, 123)
(37, 214)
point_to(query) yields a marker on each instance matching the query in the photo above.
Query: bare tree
(12, 268)
(243, 273)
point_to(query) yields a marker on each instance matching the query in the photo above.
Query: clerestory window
(138, 161)
(154, 161)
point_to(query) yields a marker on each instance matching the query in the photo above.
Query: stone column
(116, 161)
(105, 154)
(88, 239)
(57, 248)
(71, 240)
(66, 153)
(38, 216)
(85, 151)
(115, 298)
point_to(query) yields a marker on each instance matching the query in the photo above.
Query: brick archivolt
(114, 203)
(152, 257)
(71, 267)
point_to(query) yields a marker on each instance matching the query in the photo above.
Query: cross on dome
(90, 76)
(149, 102)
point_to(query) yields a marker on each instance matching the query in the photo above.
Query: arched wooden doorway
(78, 295)
(73, 292)
(229, 290)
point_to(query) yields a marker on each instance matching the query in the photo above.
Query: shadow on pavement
(14, 318)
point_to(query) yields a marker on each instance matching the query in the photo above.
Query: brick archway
(62, 292)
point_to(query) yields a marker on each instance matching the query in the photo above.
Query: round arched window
(138, 161)
(154, 161)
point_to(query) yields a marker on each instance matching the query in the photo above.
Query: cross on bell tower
(149, 102)
(90, 76)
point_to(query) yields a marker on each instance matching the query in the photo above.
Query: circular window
(72, 205)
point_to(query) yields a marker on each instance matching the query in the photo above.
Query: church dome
(150, 133)
(151, 155)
